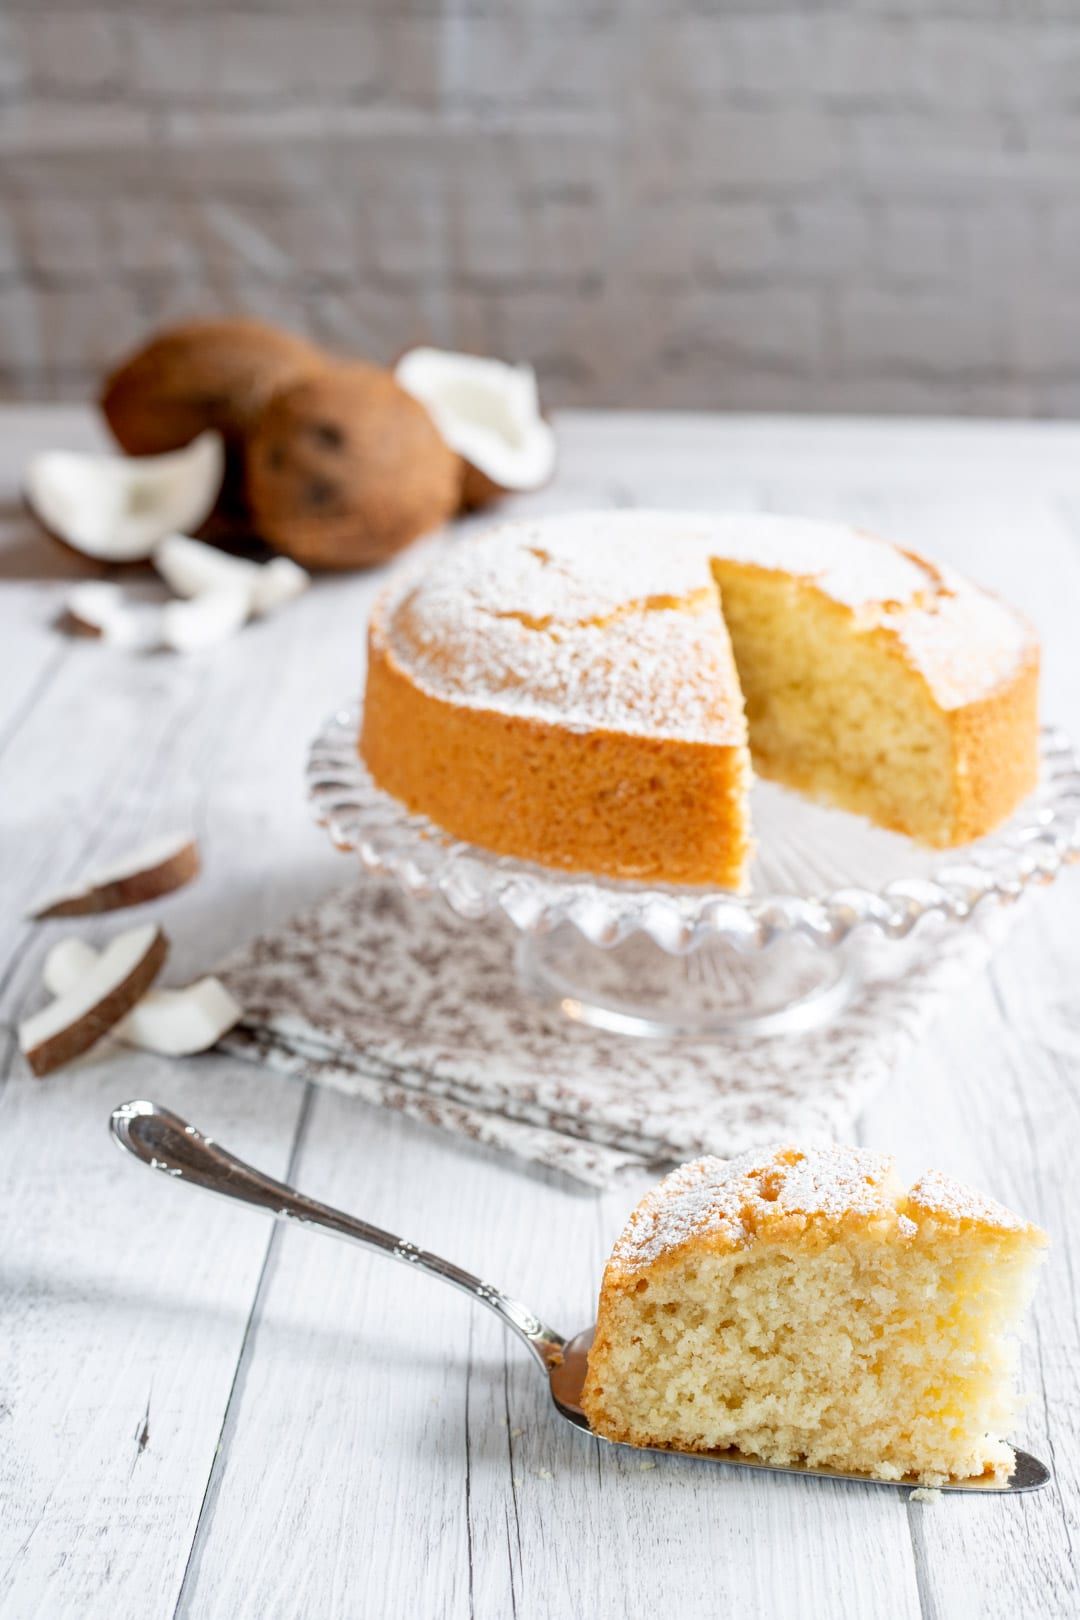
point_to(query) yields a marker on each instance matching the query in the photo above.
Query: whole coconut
(206, 374)
(344, 468)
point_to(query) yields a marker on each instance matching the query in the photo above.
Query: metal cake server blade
(165, 1142)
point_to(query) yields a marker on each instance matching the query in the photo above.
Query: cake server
(165, 1142)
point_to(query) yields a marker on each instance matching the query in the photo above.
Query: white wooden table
(205, 1415)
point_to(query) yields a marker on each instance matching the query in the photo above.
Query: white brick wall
(849, 204)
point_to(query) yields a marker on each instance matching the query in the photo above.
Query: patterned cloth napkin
(404, 1005)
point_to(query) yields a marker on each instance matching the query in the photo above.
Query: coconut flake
(173, 1023)
(279, 581)
(116, 508)
(486, 410)
(205, 620)
(192, 569)
(101, 609)
(77, 1020)
(156, 868)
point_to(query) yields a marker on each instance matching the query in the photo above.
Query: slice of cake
(801, 1307)
(564, 690)
(876, 680)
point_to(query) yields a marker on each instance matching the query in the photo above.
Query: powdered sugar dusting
(609, 620)
(853, 567)
(732, 1198)
(938, 1194)
(576, 621)
(966, 644)
(571, 567)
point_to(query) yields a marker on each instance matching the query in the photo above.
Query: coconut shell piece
(156, 869)
(489, 412)
(174, 1023)
(76, 1021)
(206, 374)
(477, 489)
(345, 468)
(114, 509)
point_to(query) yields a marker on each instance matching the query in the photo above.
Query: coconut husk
(206, 374)
(344, 468)
(477, 489)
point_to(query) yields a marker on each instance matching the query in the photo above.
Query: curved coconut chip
(157, 868)
(115, 509)
(489, 412)
(205, 620)
(100, 609)
(173, 1023)
(76, 1021)
(191, 568)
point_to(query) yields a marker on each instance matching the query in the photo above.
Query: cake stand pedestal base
(639, 989)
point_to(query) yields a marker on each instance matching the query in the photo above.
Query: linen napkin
(403, 1004)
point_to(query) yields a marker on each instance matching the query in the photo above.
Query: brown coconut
(205, 374)
(477, 489)
(344, 468)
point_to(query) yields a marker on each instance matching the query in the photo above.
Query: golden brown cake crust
(564, 690)
(774, 1193)
(528, 788)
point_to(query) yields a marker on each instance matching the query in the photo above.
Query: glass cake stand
(650, 959)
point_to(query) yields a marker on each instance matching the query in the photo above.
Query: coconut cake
(586, 690)
(800, 1307)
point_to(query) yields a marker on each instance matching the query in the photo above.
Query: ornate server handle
(166, 1142)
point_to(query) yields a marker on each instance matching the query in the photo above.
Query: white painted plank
(990, 1104)
(113, 1298)
(384, 1403)
(123, 1320)
(343, 1486)
(356, 1478)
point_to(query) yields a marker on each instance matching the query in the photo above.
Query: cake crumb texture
(799, 1306)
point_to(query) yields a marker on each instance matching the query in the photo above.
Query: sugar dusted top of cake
(731, 1202)
(591, 621)
(963, 640)
(571, 567)
(609, 620)
(953, 1201)
(851, 565)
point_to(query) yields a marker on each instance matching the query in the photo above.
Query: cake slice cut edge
(798, 1306)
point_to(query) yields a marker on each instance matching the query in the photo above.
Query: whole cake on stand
(591, 724)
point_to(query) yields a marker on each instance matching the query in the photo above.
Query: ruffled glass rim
(1031, 848)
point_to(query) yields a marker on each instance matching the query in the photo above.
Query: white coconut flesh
(100, 608)
(75, 1021)
(173, 1023)
(191, 568)
(486, 410)
(157, 868)
(116, 508)
(193, 623)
